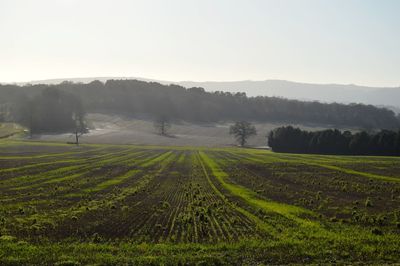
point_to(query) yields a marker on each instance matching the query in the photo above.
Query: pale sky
(317, 41)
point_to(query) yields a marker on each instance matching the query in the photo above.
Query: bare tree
(79, 131)
(242, 130)
(79, 120)
(162, 125)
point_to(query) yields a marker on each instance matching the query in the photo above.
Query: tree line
(152, 100)
(333, 141)
(52, 111)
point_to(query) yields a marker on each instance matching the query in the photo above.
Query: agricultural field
(116, 129)
(129, 205)
(10, 129)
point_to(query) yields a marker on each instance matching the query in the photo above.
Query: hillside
(193, 105)
(349, 93)
(341, 93)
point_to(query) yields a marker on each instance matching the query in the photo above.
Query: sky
(315, 41)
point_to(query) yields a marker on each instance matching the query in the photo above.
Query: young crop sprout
(242, 130)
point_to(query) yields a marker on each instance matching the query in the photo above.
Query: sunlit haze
(309, 41)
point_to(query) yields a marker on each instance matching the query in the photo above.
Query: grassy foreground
(111, 204)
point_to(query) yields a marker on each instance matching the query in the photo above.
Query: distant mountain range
(384, 96)
(389, 97)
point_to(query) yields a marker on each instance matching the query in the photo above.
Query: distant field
(121, 204)
(108, 129)
(9, 129)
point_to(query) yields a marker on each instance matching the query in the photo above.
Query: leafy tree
(52, 111)
(3, 112)
(289, 139)
(242, 130)
(26, 113)
(359, 143)
(397, 143)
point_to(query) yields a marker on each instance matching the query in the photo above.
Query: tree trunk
(76, 138)
(242, 141)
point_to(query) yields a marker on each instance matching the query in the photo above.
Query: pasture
(125, 204)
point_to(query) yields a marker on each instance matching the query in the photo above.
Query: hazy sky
(319, 41)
